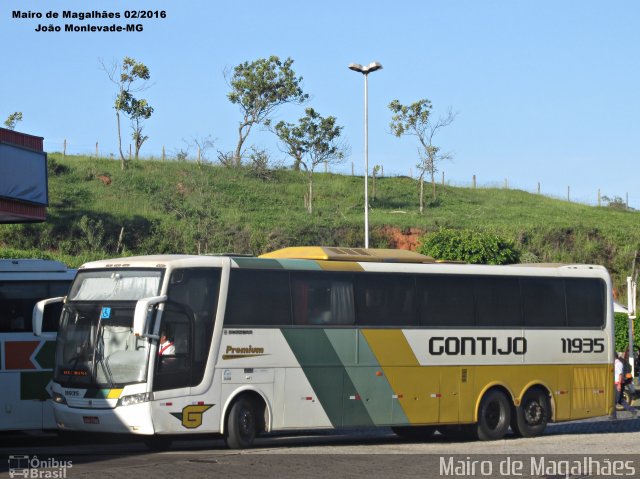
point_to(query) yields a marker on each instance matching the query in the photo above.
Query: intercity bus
(319, 337)
(26, 361)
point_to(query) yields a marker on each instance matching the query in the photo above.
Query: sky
(546, 91)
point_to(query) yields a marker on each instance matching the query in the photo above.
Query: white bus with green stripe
(26, 360)
(317, 337)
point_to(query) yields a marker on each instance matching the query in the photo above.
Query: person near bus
(619, 380)
(166, 348)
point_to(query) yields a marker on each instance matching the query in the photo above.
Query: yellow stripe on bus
(114, 393)
(415, 386)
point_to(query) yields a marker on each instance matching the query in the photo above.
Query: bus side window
(173, 368)
(323, 299)
(17, 299)
(385, 299)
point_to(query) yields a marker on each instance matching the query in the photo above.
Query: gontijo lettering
(482, 345)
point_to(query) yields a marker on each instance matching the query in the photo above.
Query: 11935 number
(582, 345)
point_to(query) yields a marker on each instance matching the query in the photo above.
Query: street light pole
(365, 71)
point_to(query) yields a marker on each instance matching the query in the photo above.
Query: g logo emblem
(191, 416)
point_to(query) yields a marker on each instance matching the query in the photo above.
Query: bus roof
(328, 253)
(31, 265)
(343, 259)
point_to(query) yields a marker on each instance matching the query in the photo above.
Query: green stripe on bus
(328, 377)
(300, 264)
(96, 393)
(258, 263)
(33, 384)
(47, 354)
(371, 385)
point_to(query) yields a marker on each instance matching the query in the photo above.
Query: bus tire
(241, 427)
(414, 433)
(494, 416)
(532, 415)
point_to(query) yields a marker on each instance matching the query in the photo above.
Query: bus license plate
(91, 419)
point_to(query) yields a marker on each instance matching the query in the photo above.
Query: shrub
(622, 331)
(469, 246)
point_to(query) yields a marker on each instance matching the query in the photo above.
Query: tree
(314, 140)
(258, 88)
(13, 119)
(132, 78)
(139, 110)
(415, 120)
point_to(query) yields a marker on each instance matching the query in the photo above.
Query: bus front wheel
(241, 424)
(494, 416)
(533, 414)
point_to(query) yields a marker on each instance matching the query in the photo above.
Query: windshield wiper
(107, 371)
(99, 350)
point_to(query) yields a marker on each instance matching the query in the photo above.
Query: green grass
(182, 207)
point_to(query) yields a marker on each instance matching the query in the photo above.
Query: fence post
(627, 202)
(443, 178)
(64, 148)
(506, 184)
(599, 203)
(198, 155)
(97, 151)
(163, 153)
(474, 182)
(569, 194)
(538, 187)
(129, 151)
(352, 172)
(382, 168)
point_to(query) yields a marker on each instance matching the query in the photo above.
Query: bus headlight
(134, 399)
(58, 398)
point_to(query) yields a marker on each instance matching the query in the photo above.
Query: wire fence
(620, 200)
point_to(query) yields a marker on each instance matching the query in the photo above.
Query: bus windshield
(105, 285)
(96, 345)
(93, 350)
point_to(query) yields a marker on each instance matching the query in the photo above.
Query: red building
(24, 194)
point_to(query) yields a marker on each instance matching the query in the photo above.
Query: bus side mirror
(37, 317)
(143, 312)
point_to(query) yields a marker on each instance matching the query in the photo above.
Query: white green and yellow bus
(319, 337)
(26, 360)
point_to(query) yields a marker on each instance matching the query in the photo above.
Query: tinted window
(585, 302)
(543, 302)
(385, 300)
(258, 298)
(188, 323)
(17, 299)
(498, 301)
(445, 300)
(174, 370)
(322, 299)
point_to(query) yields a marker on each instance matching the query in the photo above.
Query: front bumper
(134, 419)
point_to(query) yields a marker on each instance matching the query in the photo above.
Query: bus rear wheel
(494, 416)
(414, 433)
(533, 414)
(241, 428)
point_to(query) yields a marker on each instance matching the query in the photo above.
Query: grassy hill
(97, 210)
